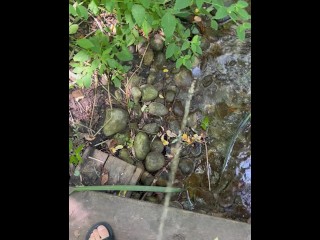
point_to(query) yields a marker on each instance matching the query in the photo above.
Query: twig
(99, 25)
(108, 90)
(208, 166)
(94, 99)
(175, 160)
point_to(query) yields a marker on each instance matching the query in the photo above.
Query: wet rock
(160, 60)
(195, 150)
(157, 42)
(162, 179)
(186, 166)
(192, 119)
(154, 161)
(148, 57)
(174, 126)
(147, 178)
(151, 128)
(159, 100)
(158, 109)
(125, 156)
(152, 76)
(141, 145)
(140, 165)
(136, 94)
(135, 81)
(183, 78)
(149, 93)
(207, 80)
(116, 121)
(152, 199)
(157, 146)
(137, 110)
(170, 95)
(178, 109)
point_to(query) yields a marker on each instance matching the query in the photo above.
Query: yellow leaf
(165, 70)
(161, 96)
(164, 142)
(116, 148)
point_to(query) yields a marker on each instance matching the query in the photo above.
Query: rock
(135, 81)
(162, 179)
(152, 76)
(140, 165)
(157, 42)
(195, 151)
(157, 146)
(147, 178)
(148, 57)
(160, 60)
(207, 80)
(178, 109)
(137, 110)
(141, 145)
(149, 93)
(174, 126)
(159, 100)
(157, 109)
(183, 78)
(192, 119)
(170, 95)
(125, 156)
(116, 121)
(136, 94)
(151, 128)
(154, 161)
(186, 166)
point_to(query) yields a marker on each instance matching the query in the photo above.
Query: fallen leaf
(161, 96)
(165, 70)
(143, 108)
(89, 137)
(196, 138)
(197, 19)
(77, 95)
(171, 134)
(111, 143)
(116, 148)
(164, 142)
(104, 178)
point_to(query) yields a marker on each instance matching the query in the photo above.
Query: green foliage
(106, 53)
(205, 123)
(74, 153)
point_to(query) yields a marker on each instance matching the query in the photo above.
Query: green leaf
(241, 33)
(70, 145)
(85, 43)
(78, 69)
(233, 16)
(93, 7)
(243, 13)
(179, 62)
(72, 10)
(95, 64)
(242, 4)
(82, 11)
(221, 13)
(194, 48)
(218, 2)
(186, 33)
(188, 64)
(86, 80)
(205, 123)
(124, 55)
(168, 22)
(145, 3)
(180, 4)
(199, 3)
(214, 24)
(112, 63)
(198, 49)
(81, 56)
(146, 27)
(130, 39)
(109, 5)
(116, 82)
(138, 13)
(129, 19)
(246, 25)
(170, 50)
(185, 45)
(73, 28)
